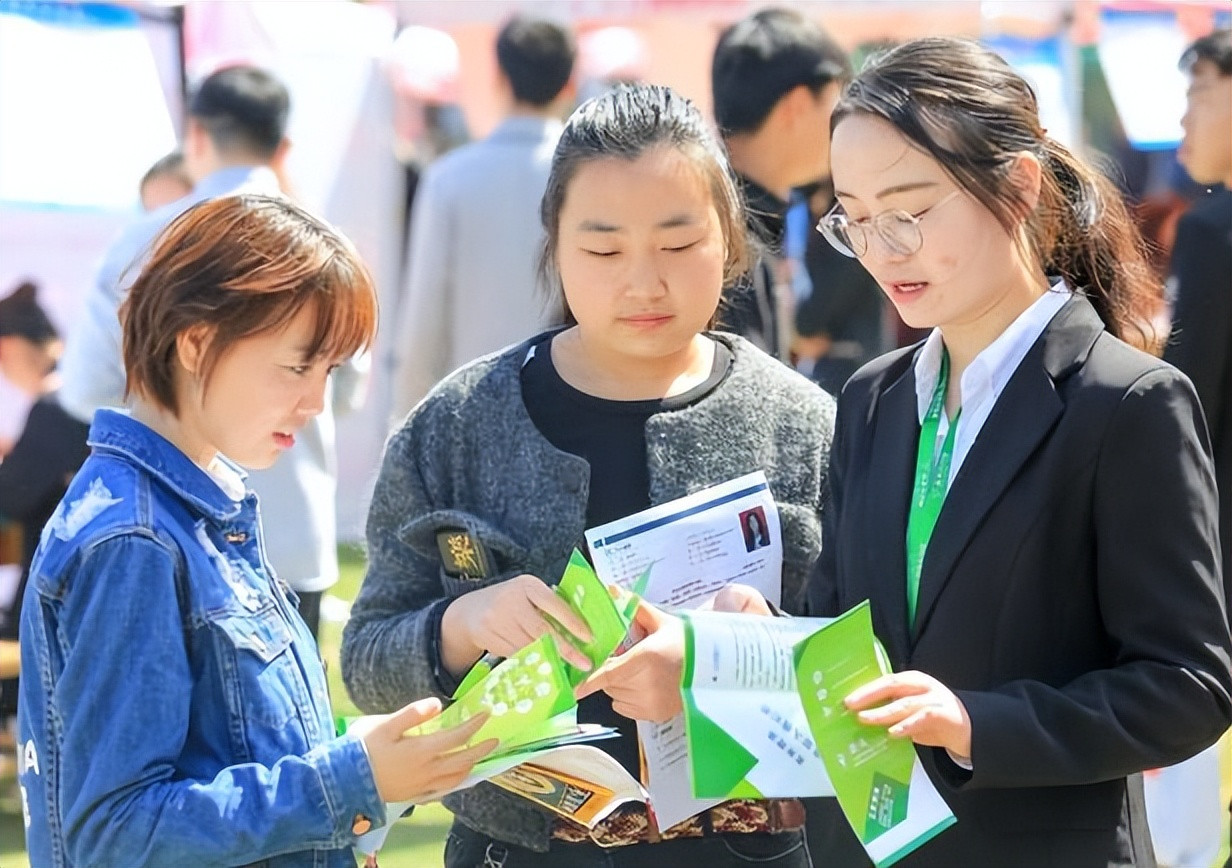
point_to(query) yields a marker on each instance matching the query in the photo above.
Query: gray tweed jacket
(470, 457)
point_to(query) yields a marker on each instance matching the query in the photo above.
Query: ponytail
(1084, 233)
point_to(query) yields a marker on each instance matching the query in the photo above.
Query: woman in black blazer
(1062, 626)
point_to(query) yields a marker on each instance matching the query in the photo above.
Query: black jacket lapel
(896, 431)
(1026, 411)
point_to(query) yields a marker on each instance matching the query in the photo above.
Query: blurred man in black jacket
(775, 78)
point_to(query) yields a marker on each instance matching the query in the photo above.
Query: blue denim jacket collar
(120, 433)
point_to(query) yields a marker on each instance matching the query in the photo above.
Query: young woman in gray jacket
(489, 485)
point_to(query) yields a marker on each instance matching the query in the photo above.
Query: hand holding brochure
(728, 532)
(529, 700)
(887, 797)
(764, 712)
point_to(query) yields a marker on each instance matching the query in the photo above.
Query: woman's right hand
(505, 617)
(408, 767)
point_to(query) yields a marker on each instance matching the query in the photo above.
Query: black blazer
(1070, 594)
(1201, 341)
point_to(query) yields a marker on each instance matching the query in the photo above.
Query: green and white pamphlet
(529, 696)
(746, 728)
(733, 669)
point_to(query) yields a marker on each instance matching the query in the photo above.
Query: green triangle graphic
(726, 760)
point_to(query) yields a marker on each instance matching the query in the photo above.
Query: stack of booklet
(763, 713)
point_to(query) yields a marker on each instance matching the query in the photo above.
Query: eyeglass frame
(875, 223)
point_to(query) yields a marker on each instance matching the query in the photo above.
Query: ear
(1026, 176)
(797, 103)
(191, 345)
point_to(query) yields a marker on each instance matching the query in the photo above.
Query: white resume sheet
(697, 544)
(694, 545)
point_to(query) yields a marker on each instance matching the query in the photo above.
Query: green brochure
(529, 699)
(764, 717)
(521, 694)
(881, 786)
(746, 730)
(529, 696)
(581, 589)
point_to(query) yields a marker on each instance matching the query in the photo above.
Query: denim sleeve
(123, 696)
(389, 653)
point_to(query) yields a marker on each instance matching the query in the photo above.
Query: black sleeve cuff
(446, 684)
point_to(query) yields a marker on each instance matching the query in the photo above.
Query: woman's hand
(407, 767)
(644, 682)
(916, 706)
(505, 617)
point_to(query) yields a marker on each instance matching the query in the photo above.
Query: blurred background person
(775, 78)
(840, 320)
(235, 142)
(1200, 289)
(34, 475)
(164, 182)
(1200, 281)
(422, 66)
(474, 228)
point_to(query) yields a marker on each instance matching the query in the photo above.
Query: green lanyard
(932, 477)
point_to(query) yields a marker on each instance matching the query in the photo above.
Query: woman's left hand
(916, 706)
(644, 682)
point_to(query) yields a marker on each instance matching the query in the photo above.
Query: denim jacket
(173, 707)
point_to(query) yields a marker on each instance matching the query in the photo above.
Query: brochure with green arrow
(890, 802)
(747, 732)
(764, 712)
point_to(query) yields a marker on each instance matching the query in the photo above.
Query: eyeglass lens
(899, 231)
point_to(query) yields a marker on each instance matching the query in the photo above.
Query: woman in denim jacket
(174, 709)
(489, 485)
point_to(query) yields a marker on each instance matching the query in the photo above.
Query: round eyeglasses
(897, 229)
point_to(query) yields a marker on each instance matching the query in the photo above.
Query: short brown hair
(242, 265)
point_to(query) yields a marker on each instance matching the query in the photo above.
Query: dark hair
(1215, 47)
(537, 58)
(966, 107)
(764, 56)
(244, 109)
(625, 123)
(172, 164)
(22, 316)
(242, 265)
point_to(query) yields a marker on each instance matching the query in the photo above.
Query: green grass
(415, 842)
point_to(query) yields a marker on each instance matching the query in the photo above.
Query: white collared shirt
(985, 378)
